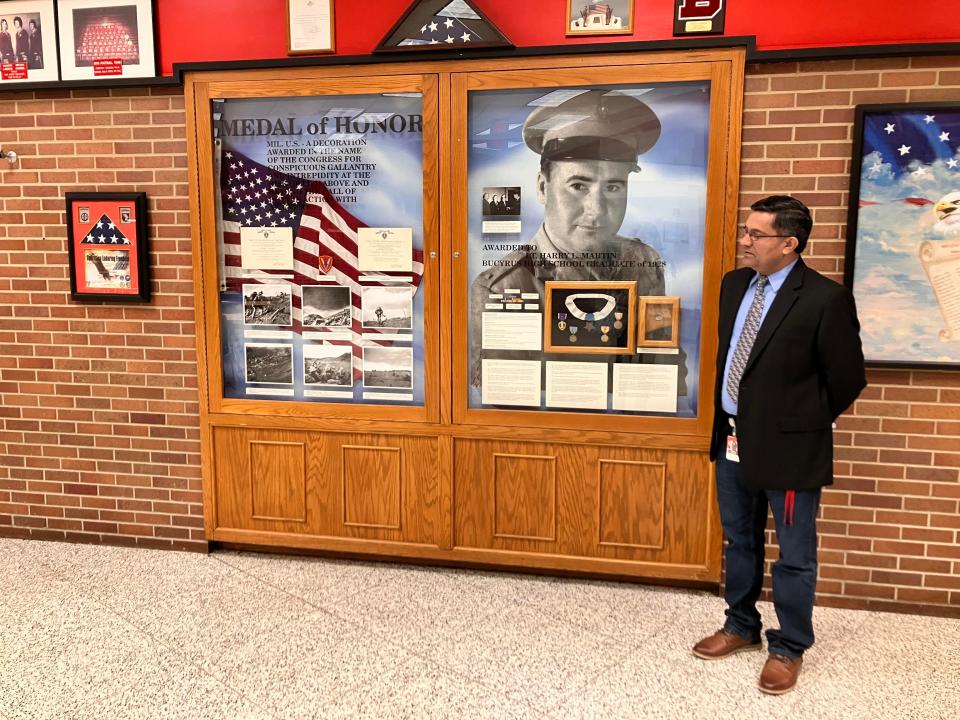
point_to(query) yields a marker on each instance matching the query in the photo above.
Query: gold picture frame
(310, 27)
(659, 321)
(610, 17)
(568, 328)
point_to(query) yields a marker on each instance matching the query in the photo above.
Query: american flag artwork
(455, 23)
(324, 236)
(918, 148)
(105, 232)
(903, 251)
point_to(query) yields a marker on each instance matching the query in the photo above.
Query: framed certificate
(310, 27)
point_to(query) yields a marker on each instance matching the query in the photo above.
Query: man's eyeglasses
(754, 235)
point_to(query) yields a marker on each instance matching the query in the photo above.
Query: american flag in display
(325, 236)
(104, 232)
(456, 23)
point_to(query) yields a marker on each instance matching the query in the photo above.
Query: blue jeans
(743, 513)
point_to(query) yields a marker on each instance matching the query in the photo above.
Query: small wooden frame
(659, 321)
(609, 17)
(107, 246)
(565, 333)
(310, 27)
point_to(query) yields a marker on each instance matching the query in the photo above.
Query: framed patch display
(903, 233)
(24, 57)
(108, 249)
(102, 39)
(610, 17)
(658, 322)
(589, 317)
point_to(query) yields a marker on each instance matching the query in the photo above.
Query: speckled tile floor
(114, 633)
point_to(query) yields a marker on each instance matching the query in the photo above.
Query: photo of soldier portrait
(589, 146)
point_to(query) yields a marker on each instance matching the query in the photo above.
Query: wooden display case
(446, 477)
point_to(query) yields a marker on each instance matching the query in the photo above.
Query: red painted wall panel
(197, 31)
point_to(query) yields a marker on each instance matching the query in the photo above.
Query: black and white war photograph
(267, 305)
(387, 307)
(499, 201)
(326, 306)
(388, 367)
(269, 363)
(328, 365)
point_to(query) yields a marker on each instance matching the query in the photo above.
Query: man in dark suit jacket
(789, 362)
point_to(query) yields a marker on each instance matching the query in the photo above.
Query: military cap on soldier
(594, 125)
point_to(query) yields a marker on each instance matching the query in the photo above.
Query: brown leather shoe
(780, 674)
(723, 643)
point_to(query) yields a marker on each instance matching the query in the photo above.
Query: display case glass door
(326, 228)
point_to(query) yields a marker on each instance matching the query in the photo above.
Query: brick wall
(99, 428)
(890, 526)
(98, 404)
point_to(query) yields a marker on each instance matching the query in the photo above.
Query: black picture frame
(893, 274)
(109, 261)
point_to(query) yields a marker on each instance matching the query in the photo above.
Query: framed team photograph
(659, 322)
(387, 307)
(611, 17)
(108, 247)
(106, 39)
(589, 317)
(310, 28)
(23, 55)
(265, 304)
(903, 233)
(327, 306)
(328, 365)
(388, 367)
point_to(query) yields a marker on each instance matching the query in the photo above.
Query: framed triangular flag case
(442, 25)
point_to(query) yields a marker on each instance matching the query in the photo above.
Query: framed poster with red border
(107, 241)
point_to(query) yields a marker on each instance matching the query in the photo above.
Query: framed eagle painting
(903, 233)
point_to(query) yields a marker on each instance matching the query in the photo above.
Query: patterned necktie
(747, 337)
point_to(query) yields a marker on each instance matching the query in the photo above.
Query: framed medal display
(659, 322)
(589, 317)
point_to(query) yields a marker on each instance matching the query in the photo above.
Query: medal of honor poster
(323, 175)
(107, 240)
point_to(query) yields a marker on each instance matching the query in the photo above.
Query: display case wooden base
(626, 511)
(444, 477)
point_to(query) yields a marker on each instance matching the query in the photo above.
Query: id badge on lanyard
(732, 452)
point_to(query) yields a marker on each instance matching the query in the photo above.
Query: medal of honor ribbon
(571, 305)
